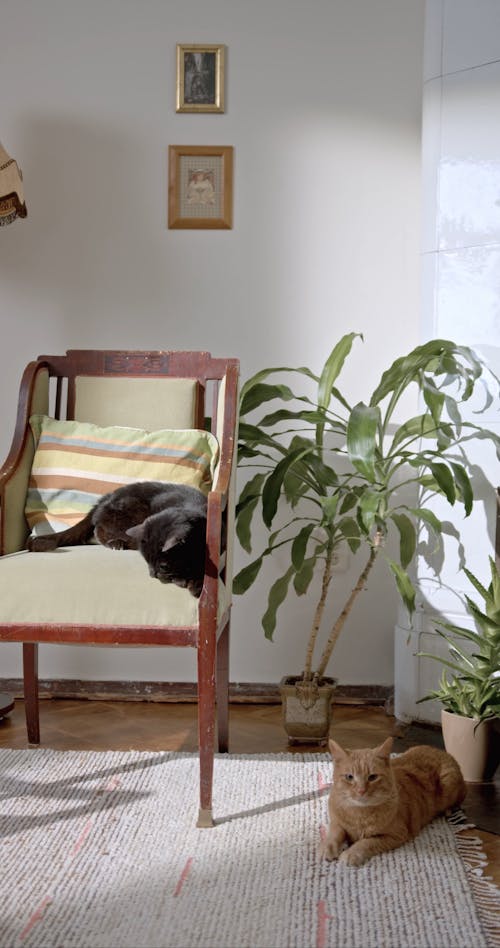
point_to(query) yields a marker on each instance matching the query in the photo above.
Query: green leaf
(299, 545)
(434, 399)
(261, 392)
(253, 436)
(272, 487)
(248, 500)
(464, 486)
(294, 486)
(277, 595)
(443, 661)
(437, 356)
(349, 530)
(329, 505)
(331, 370)
(477, 585)
(404, 584)
(367, 509)
(429, 518)
(421, 426)
(454, 414)
(303, 577)
(246, 576)
(407, 538)
(444, 479)
(349, 501)
(361, 439)
(284, 414)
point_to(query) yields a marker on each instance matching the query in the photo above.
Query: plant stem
(320, 608)
(339, 624)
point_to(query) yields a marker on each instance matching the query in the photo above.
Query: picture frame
(200, 186)
(200, 78)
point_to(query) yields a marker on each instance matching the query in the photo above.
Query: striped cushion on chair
(75, 463)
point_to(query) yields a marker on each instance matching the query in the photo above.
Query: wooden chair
(73, 595)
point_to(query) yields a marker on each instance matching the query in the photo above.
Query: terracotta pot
(475, 746)
(306, 711)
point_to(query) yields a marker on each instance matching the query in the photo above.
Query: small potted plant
(470, 696)
(330, 474)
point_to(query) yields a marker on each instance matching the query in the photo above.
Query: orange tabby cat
(378, 803)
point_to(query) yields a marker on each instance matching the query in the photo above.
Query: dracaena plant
(328, 474)
(473, 688)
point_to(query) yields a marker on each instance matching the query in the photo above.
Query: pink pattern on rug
(112, 784)
(323, 919)
(184, 874)
(39, 912)
(36, 917)
(322, 783)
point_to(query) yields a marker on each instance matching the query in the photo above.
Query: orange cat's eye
(372, 777)
(348, 777)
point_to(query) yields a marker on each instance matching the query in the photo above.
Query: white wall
(323, 110)
(461, 287)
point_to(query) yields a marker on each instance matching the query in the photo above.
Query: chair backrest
(144, 389)
(155, 389)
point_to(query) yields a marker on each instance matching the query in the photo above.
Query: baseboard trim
(175, 691)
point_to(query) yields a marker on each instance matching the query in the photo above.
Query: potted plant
(471, 695)
(329, 474)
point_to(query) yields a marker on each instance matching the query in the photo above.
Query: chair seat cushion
(91, 585)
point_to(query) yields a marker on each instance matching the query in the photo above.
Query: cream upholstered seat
(93, 595)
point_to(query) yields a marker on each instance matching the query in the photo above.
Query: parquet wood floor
(254, 729)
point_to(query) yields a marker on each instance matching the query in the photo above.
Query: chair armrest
(221, 499)
(15, 471)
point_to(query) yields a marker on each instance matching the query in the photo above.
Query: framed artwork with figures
(200, 78)
(200, 186)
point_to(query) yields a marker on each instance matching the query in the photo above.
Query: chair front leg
(206, 724)
(30, 672)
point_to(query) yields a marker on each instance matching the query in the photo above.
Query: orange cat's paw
(353, 857)
(330, 851)
(331, 848)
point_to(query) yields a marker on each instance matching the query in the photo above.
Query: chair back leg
(223, 690)
(30, 672)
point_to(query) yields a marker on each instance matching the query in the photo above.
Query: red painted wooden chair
(94, 596)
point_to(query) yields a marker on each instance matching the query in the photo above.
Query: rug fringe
(485, 893)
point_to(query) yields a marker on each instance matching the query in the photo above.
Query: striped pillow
(75, 463)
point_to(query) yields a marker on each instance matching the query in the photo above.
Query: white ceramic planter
(475, 746)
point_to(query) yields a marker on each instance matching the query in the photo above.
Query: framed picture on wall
(200, 78)
(200, 186)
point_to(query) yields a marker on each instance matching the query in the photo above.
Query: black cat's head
(173, 544)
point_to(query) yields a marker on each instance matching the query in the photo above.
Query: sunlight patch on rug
(101, 850)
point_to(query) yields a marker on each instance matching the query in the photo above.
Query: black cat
(165, 522)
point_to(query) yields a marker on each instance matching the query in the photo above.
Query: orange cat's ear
(336, 750)
(385, 749)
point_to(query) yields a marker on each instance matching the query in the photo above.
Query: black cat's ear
(137, 532)
(170, 542)
(177, 535)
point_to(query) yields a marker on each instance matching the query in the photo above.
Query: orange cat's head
(362, 777)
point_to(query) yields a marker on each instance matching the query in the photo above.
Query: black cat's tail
(79, 533)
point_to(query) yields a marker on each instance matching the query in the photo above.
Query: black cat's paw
(41, 544)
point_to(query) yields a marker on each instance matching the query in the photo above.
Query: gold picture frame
(200, 186)
(200, 78)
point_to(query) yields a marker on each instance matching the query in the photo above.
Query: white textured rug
(100, 850)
